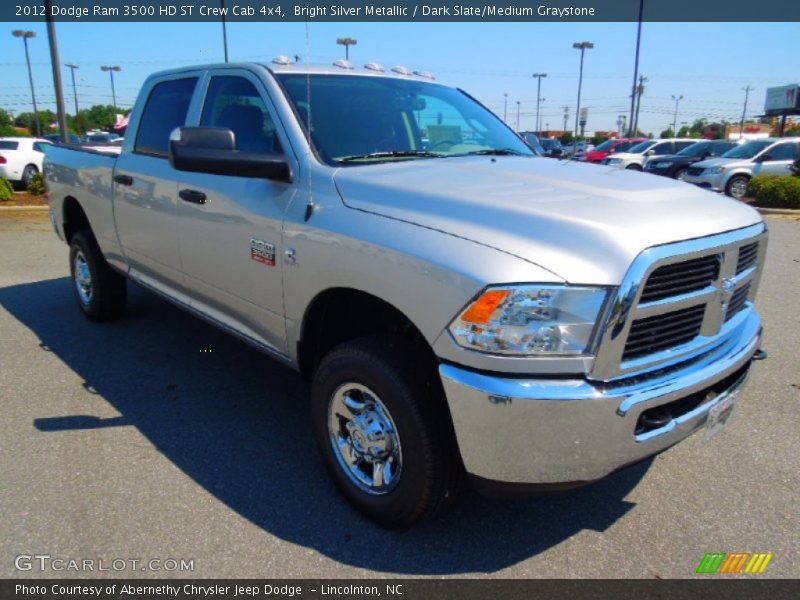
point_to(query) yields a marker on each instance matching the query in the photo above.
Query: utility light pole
(26, 35)
(675, 116)
(538, 77)
(224, 30)
(566, 117)
(55, 63)
(746, 91)
(72, 68)
(582, 46)
(639, 92)
(111, 70)
(347, 42)
(632, 133)
(505, 107)
(518, 115)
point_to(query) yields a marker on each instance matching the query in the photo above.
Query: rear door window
(681, 145)
(8, 145)
(783, 152)
(165, 110)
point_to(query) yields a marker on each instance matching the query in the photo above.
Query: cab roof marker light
(373, 66)
(282, 60)
(424, 74)
(343, 64)
(401, 70)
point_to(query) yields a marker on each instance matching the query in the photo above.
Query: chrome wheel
(680, 175)
(364, 439)
(738, 187)
(82, 276)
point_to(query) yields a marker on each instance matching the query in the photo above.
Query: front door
(230, 228)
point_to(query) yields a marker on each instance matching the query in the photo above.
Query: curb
(28, 208)
(778, 211)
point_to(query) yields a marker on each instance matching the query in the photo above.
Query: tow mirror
(213, 150)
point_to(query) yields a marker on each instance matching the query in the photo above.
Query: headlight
(662, 165)
(714, 170)
(613, 161)
(530, 320)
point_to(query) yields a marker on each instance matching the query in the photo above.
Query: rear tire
(28, 173)
(737, 186)
(99, 291)
(396, 400)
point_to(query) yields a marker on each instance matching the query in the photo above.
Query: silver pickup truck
(465, 310)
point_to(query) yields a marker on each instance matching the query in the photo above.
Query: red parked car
(598, 153)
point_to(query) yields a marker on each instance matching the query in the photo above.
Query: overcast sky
(708, 64)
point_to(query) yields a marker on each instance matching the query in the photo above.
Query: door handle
(192, 196)
(123, 179)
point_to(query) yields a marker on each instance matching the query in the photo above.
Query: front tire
(737, 186)
(680, 174)
(382, 425)
(99, 290)
(634, 167)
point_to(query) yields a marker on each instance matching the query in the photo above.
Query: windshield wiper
(391, 154)
(493, 152)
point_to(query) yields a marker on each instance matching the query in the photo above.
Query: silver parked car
(731, 172)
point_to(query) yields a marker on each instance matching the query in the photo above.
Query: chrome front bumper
(714, 182)
(550, 431)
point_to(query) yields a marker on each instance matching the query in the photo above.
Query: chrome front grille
(660, 332)
(748, 255)
(680, 278)
(678, 301)
(737, 302)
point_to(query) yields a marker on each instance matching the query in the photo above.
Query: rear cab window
(166, 109)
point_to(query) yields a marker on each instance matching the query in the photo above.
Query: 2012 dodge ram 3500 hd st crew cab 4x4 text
(462, 307)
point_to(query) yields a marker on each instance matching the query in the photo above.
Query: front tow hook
(760, 354)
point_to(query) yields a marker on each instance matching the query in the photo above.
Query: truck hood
(582, 222)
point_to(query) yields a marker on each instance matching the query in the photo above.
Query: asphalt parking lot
(160, 437)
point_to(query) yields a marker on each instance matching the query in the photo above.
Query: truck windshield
(359, 120)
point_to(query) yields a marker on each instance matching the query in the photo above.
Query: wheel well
(341, 314)
(74, 218)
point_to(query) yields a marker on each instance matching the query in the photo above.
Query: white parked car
(638, 155)
(21, 158)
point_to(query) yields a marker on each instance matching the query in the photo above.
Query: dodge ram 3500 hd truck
(463, 308)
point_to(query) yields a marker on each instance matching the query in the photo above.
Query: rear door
(146, 186)
(781, 157)
(230, 228)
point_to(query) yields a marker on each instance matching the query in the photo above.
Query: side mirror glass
(213, 150)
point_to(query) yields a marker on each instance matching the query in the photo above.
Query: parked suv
(636, 157)
(552, 147)
(675, 165)
(596, 155)
(732, 171)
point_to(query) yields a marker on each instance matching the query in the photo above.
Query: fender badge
(263, 252)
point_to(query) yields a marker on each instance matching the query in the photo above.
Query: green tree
(567, 138)
(667, 133)
(598, 139)
(46, 119)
